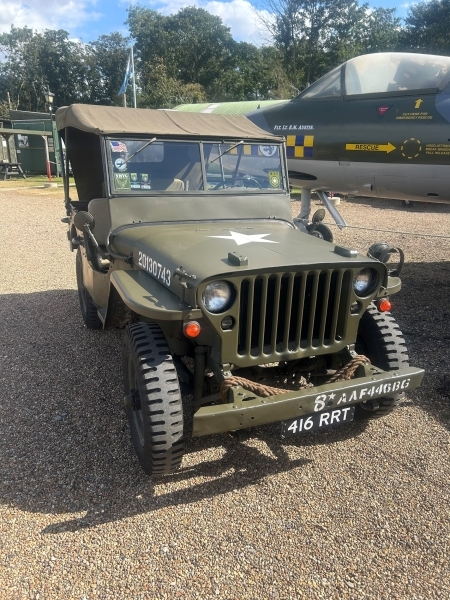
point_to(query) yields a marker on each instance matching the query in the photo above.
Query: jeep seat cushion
(174, 185)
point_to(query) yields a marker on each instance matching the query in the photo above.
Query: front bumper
(248, 410)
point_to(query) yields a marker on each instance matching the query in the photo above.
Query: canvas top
(105, 120)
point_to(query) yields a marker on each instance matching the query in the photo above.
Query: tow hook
(372, 405)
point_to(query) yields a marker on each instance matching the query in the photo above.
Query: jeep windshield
(144, 166)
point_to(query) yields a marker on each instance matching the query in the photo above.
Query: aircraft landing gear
(316, 227)
(320, 230)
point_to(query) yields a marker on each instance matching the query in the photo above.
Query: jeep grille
(291, 312)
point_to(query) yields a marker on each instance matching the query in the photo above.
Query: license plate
(319, 420)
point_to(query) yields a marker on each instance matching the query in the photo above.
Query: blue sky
(87, 19)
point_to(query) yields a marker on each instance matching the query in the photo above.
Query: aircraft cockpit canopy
(382, 73)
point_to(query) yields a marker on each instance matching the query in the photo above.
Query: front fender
(145, 296)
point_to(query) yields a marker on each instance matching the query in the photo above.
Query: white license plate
(320, 420)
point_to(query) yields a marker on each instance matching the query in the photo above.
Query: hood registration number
(155, 268)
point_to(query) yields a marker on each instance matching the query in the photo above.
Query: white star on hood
(242, 238)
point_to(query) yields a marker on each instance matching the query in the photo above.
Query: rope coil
(264, 391)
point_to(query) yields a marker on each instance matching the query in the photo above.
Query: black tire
(87, 307)
(321, 231)
(380, 339)
(153, 399)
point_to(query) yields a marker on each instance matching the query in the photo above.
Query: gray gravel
(359, 512)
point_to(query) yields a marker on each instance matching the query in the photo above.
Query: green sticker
(122, 181)
(144, 177)
(134, 176)
(274, 179)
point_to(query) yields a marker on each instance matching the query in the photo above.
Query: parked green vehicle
(184, 237)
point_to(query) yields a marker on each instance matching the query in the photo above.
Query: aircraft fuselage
(392, 145)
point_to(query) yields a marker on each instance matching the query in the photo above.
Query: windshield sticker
(144, 177)
(118, 147)
(242, 238)
(274, 179)
(122, 181)
(120, 164)
(268, 150)
(135, 185)
(299, 146)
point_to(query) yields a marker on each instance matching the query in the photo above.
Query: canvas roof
(105, 120)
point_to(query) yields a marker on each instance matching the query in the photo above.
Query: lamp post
(48, 95)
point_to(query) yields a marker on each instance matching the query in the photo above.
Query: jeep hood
(202, 249)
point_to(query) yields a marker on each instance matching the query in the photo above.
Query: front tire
(380, 339)
(87, 307)
(153, 399)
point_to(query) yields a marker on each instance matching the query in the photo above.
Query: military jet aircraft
(378, 125)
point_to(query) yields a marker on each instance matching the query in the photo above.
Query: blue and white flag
(128, 74)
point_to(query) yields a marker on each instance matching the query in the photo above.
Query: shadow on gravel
(422, 310)
(64, 438)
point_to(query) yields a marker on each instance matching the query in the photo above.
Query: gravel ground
(358, 512)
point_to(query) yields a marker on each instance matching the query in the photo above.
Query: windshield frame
(112, 191)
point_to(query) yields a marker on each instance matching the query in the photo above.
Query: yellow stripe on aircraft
(371, 147)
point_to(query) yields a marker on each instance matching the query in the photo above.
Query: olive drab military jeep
(184, 237)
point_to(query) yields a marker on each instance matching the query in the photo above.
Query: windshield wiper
(139, 150)
(229, 150)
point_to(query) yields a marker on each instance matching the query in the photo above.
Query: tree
(162, 91)
(383, 30)
(196, 47)
(427, 27)
(258, 75)
(35, 61)
(109, 54)
(316, 35)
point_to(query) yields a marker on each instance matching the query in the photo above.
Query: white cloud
(52, 14)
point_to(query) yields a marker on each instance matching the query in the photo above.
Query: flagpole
(134, 79)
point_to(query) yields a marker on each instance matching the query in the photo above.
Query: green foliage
(191, 56)
(427, 28)
(4, 109)
(316, 35)
(160, 90)
(108, 56)
(194, 45)
(37, 60)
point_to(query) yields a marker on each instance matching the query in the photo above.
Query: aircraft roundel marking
(411, 148)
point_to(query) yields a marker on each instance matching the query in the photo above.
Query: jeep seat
(169, 184)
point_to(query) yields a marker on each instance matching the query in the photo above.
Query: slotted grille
(292, 311)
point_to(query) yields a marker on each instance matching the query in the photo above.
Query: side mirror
(319, 215)
(83, 218)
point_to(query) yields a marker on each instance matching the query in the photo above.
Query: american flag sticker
(118, 146)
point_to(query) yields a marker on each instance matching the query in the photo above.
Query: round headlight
(364, 282)
(217, 296)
